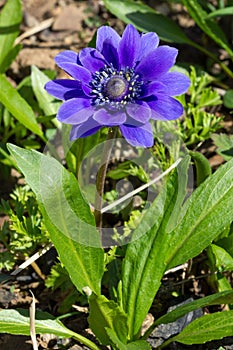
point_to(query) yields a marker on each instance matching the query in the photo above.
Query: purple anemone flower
(124, 82)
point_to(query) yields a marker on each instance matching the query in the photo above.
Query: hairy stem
(100, 180)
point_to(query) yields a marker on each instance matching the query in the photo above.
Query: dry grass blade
(41, 26)
(32, 259)
(141, 188)
(32, 312)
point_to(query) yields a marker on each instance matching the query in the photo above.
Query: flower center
(114, 88)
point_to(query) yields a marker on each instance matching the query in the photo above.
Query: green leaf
(228, 99)
(156, 248)
(206, 328)
(82, 146)
(10, 19)
(205, 215)
(226, 11)
(104, 314)
(223, 284)
(18, 107)
(224, 145)
(139, 344)
(9, 58)
(209, 26)
(227, 241)
(223, 259)
(215, 299)
(66, 215)
(144, 262)
(46, 102)
(146, 19)
(18, 322)
(203, 168)
(208, 97)
(128, 168)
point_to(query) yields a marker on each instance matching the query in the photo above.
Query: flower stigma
(115, 88)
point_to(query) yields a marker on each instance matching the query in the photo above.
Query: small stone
(70, 18)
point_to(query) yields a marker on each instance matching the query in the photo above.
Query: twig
(41, 26)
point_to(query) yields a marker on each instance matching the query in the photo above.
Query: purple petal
(175, 83)
(67, 56)
(77, 72)
(149, 42)
(152, 88)
(129, 46)
(107, 118)
(140, 111)
(91, 59)
(75, 111)
(138, 136)
(157, 62)
(107, 42)
(164, 107)
(86, 89)
(65, 89)
(86, 129)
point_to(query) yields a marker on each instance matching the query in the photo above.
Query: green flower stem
(100, 181)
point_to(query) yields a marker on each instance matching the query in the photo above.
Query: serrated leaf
(146, 19)
(206, 328)
(18, 107)
(66, 215)
(10, 19)
(144, 262)
(208, 97)
(18, 322)
(225, 297)
(104, 314)
(205, 215)
(223, 259)
(46, 102)
(128, 168)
